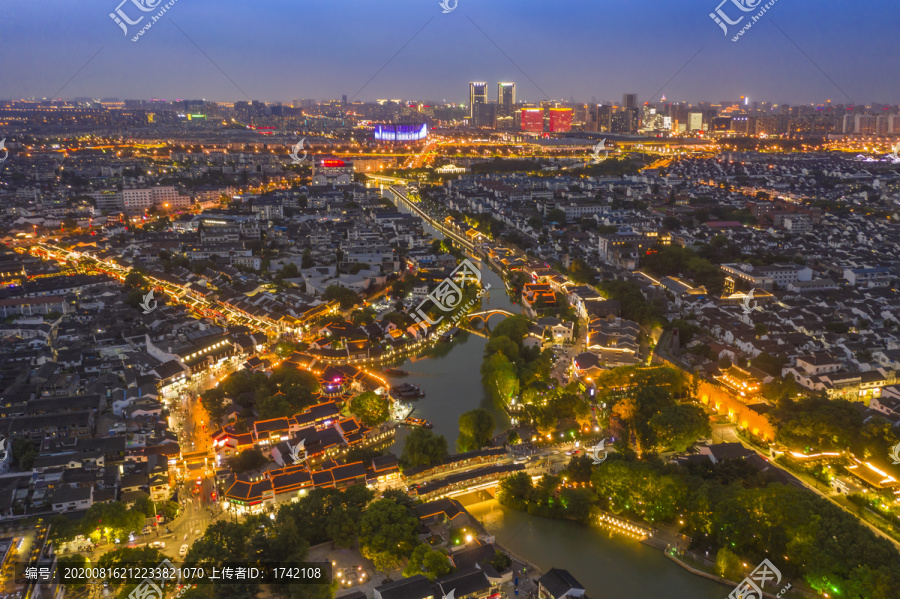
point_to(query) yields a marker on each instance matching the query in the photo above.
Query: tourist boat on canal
(421, 422)
(407, 391)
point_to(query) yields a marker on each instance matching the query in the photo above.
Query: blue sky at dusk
(278, 50)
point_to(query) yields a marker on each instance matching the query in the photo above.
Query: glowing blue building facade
(401, 132)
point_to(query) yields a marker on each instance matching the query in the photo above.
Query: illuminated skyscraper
(506, 98)
(477, 95)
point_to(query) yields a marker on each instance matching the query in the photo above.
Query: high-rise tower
(477, 95)
(506, 98)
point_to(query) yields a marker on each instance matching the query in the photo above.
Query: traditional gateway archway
(485, 317)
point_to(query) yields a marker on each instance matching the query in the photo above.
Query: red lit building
(330, 169)
(560, 120)
(533, 120)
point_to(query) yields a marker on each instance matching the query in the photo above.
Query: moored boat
(421, 422)
(407, 391)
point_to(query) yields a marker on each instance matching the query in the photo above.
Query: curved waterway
(610, 567)
(450, 375)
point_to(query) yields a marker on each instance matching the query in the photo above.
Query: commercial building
(533, 120)
(477, 95)
(109, 201)
(401, 132)
(337, 171)
(695, 121)
(560, 120)
(506, 99)
(485, 115)
(623, 121)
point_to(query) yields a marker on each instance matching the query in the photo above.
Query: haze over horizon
(607, 48)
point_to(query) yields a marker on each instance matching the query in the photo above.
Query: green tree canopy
(387, 531)
(134, 280)
(75, 560)
(370, 408)
(424, 448)
(476, 428)
(677, 427)
(427, 561)
(249, 459)
(817, 424)
(557, 216)
(213, 401)
(346, 297)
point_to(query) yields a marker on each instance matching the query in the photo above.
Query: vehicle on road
(183, 551)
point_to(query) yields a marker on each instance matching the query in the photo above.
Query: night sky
(587, 50)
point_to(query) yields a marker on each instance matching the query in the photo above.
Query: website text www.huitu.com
(754, 19)
(154, 19)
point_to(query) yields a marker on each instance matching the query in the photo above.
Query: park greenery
(125, 556)
(247, 460)
(547, 498)
(383, 530)
(634, 306)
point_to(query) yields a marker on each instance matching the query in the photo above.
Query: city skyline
(196, 53)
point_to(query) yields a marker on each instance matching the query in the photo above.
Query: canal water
(450, 374)
(610, 567)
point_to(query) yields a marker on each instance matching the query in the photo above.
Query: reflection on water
(450, 375)
(451, 381)
(610, 567)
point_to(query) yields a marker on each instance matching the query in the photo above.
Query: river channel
(610, 567)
